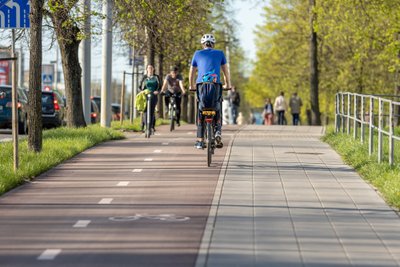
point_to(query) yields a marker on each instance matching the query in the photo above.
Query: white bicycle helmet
(208, 37)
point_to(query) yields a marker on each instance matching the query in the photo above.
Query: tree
(314, 81)
(69, 35)
(35, 77)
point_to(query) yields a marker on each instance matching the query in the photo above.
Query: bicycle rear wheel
(172, 119)
(209, 144)
(148, 118)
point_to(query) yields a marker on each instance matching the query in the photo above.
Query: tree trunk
(151, 47)
(69, 46)
(35, 77)
(73, 86)
(314, 80)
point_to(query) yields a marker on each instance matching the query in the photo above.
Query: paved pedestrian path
(287, 199)
(274, 196)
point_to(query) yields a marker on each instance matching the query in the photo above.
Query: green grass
(136, 126)
(384, 177)
(58, 145)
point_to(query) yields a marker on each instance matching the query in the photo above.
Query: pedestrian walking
(268, 113)
(295, 104)
(280, 107)
(234, 101)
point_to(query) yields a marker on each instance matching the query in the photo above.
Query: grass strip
(59, 145)
(384, 177)
(136, 126)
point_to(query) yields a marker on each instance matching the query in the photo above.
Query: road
(6, 135)
(274, 196)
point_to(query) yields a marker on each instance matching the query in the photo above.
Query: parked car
(94, 112)
(6, 109)
(53, 109)
(116, 111)
(97, 100)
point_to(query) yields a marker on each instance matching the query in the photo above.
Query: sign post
(14, 14)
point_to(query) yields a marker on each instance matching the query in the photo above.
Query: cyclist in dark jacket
(151, 81)
(174, 82)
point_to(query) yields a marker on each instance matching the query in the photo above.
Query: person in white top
(280, 107)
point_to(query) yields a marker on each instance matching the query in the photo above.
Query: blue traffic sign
(47, 78)
(14, 14)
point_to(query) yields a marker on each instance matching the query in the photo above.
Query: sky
(248, 14)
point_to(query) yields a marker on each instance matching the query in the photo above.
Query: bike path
(287, 199)
(134, 202)
(276, 196)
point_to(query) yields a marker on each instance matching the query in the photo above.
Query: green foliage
(383, 176)
(359, 43)
(58, 145)
(135, 126)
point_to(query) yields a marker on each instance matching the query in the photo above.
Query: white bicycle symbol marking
(160, 217)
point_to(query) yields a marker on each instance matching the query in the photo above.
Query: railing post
(362, 114)
(348, 112)
(342, 115)
(371, 125)
(391, 141)
(380, 134)
(337, 124)
(355, 128)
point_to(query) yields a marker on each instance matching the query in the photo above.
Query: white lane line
(165, 144)
(49, 254)
(123, 183)
(82, 223)
(148, 159)
(137, 170)
(106, 201)
(157, 151)
(190, 133)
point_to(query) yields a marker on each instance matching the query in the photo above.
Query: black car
(97, 100)
(94, 112)
(53, 109)
(6, 109)
(115, 111)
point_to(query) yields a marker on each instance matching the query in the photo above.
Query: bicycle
(209, 121)
(148, 127)
(172, 109)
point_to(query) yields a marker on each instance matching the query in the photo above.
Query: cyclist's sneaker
(199, 145)
(178, 123)
(218, 140)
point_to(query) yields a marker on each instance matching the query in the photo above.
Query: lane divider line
(148, 159)
(137, 170)
(106, 201)
(157, 151)
(82, 223)
(165, 144)
(49, 254)
(123, 183)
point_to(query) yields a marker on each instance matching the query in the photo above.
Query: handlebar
(223, 89)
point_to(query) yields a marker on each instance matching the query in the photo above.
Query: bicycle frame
(148, 116)
(209, 122)
(172, 111)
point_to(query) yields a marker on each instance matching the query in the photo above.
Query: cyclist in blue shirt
(208, 63)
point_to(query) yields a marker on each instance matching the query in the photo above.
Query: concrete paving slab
(304, 206)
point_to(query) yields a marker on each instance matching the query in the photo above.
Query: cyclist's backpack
(209, 95)
(210, 77)
(140, 101)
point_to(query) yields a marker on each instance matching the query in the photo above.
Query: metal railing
(356, 112)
